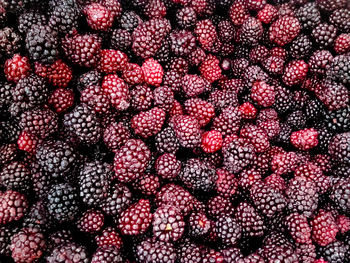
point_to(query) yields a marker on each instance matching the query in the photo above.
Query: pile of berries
(175, 131)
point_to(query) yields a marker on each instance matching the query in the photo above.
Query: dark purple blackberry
(107, 254)
(189, 252)
(275, 253)
(5, 97)
(254, 73)
(267, 199)
(163, 54)
(296, 120)
(336, 252)
(228, 230)
(339, 148)
(83, 122)
(306, 252)
(331, 5)
(320, 61)
(27, 245)
(55, 157)
(198, 224)
(324, 35)
(94, 181)
(218, 206)
(340, 195)
(163, 97)
(90, 78)
(42, 43)
(249, 219)
(166, 141)
(129, 20)
(283, 99)
(300, 47)
(341, 170)
(8, 152)
(38, 217)
(198, 175)
(57, 238)
(226, 30)
(16, 176)
(29, 92)
(63, 17)
(141, 97)
(339, 70)
(6, 234)
(150, 251)
(308, 15)
(338, 121)
(116, 135)
(10, 41)
(314, 110)
(168, 224)
(39, 122)
(324, 137)
(182, 43)
(27, 19)
(186, 17)
(238, 155)
(117, 200)
(68, 251)
(302, 196)
(238, 66)
(340, 18)
(121, 39)
(251, 31)
(9, 131)
(62, 202)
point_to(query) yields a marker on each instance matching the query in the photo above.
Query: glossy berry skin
(16, 68)
(211, 141)
(112, 61)
(148, 123)
(263, 94)
(117, 91)
(152, 72)
(59, 74)
(324, 228)
(98, 17)
(61, 100)
(295, 72)
(248, 111)
(136, 219)
(284, 30)
(304, 139)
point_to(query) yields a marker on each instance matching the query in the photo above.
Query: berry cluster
(175, 131)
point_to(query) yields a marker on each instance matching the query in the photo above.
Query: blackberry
(27, 245)
(5, 239)
(249, 219)
(314, 110)
(277, 253)
(68, 251)
(116, 135)
(117, 200)
(186, 17)
(339, 148)
(302, 196)
(339, 70)
(182, 43)
(163, 98)
(338, 121)
(189, 252)
(283, 99)
(16, 176)
(228, 230)
(296, 120)
(13, 206)
(298, 227)
(187, 130)
(62, 202)
(334, 95)
(268, 200)
(339, 195)
(330, 5)
(55, 157)
(29, 92)
(121, 39)
(340, 18)
(129, 20)
(8, 152)
(94, 182)
(308, 15)
(91, 221)
(149, 251)
(320, 61)
(251, 31)
(335, 252)
(27, 19)
(324, 35)
(10, 41)
(63, 18)
(324, 137)
(90, 78)
(107, 254)
(198, 224)
(42, 43)
(198, 175)
(300, 47)
(306, 252)
(83, 122)
(38, 217)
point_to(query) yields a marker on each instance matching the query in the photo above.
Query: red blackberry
(320, 61)
(228, 230)
(13, 206)
(15, 176)
(251, 31)
(148, 184)
(131, 160)
(148, 37)
(258, 54)
(163, 98)
(298, 227)
(254, 73)
(167, 166)
(112, 61)
(210, 68)
(302, 196)
(83, 122)
(166, 141)
(117, 90)
(279, 253)
(238, 12)
(133, 74)
(148, 123)
(211, 141)
(304, 139)
(306, 252)
(62, 202)
(152, 72)
(228, 122)
(187, 130)
(98, 16)
(291, 29)
(149, 251)
(248, 111)
(83, 50)
(342, 44)
(324, 35)
(91, 221)
(206, 34)
(200, 109)
(256, 137)
(115, 135)
(16, 68)
(155, 9)
(68, 251)
(58, 74)
(249, 219)
(226, 183)
(107, 254)
(237, 155)
(339, 147)
(267, 14)
(117, 200)
(193, 85)
(27, 245)
(109, 237)
(324, 228)
(295, 72)
(263, 94)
